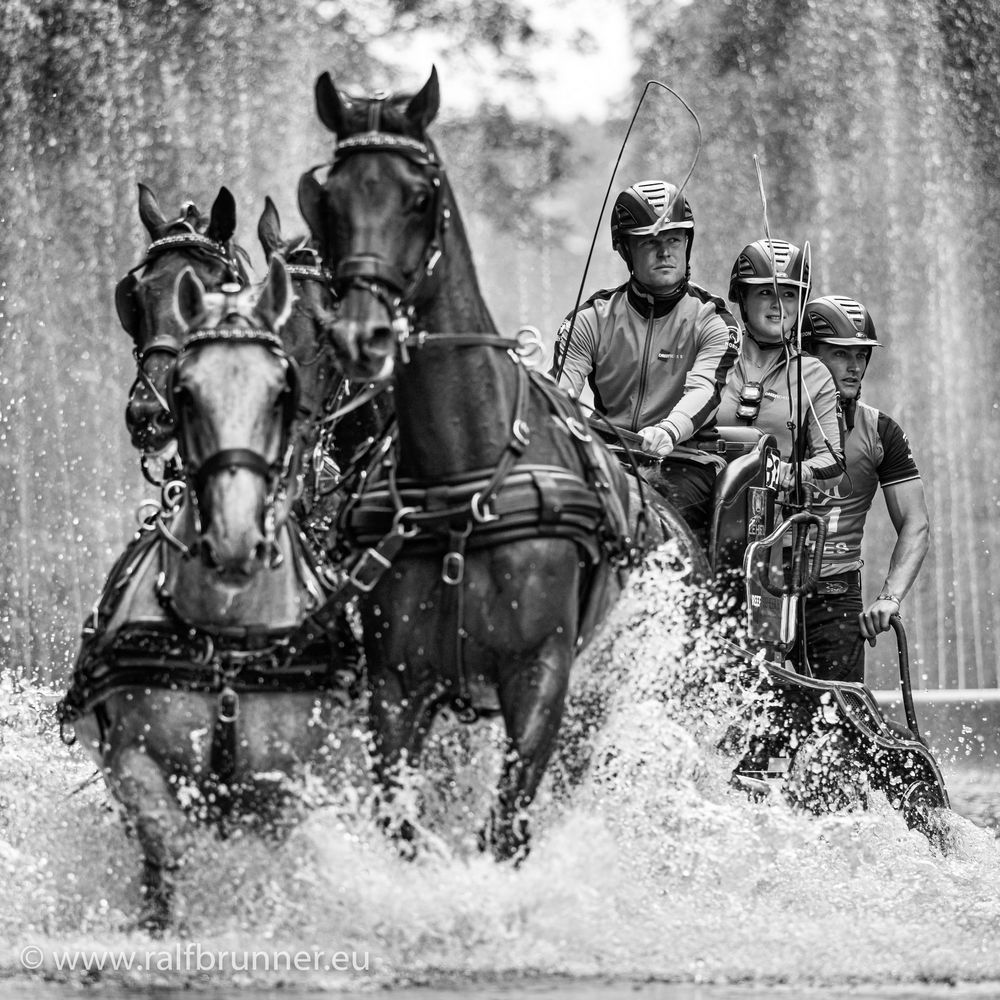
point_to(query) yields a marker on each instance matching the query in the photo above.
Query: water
(646, 866)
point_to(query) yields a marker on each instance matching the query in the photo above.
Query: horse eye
(421, 201)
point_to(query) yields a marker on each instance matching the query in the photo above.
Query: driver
(839, 331)
(656, 350)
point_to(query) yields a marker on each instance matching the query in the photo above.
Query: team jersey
(877, 454)
(651, 360)
(823, 425)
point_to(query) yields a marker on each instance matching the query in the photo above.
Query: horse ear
(149, 211)
(275, 303)
(328, 104)
(423, 107)
(223, 220)
(311, 206)
(189, 298)
(269, 228)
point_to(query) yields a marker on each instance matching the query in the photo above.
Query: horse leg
(153, 814)
(532, 699)
(400, 721)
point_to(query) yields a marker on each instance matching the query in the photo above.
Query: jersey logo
(667, 356)
(771, 463)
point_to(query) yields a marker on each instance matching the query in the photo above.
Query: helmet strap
(850, 407)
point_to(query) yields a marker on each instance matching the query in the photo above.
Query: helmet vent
(852, 309)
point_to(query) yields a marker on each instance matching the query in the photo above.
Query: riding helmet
(640, 207)
(765, 261)
(837, 320)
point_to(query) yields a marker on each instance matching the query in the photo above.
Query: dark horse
(186, 690)
(145, 302)
(497, 536)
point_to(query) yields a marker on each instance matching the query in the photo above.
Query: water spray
(560, 360)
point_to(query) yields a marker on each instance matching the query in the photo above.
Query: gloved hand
(656, 441)
(786, 475)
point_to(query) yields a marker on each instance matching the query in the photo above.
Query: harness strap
(222, 756)
(453, 574)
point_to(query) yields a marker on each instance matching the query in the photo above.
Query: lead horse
(187, 690)
(497, 534)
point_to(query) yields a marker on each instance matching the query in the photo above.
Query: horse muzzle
(365, 348)
(150, 426)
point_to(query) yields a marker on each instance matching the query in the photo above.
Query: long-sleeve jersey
(823, 424)
(650, 360)
(878, 454)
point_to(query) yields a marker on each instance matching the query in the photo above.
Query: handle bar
(759, 566)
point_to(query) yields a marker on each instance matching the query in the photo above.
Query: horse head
(144, 300)
(307, 332)
(379, 218)
(233, 394)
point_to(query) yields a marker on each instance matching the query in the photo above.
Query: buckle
(368, 570)
(453, 568)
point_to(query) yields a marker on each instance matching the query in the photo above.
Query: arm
(908, 513)
(822, 465)
(580, 351)
(718, 343)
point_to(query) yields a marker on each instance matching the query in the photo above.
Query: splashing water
(645, 864)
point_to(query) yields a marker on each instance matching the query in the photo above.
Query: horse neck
(454, 404)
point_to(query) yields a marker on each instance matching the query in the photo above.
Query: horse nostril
(380, 339)
(208, 554)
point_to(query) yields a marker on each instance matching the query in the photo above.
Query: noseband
(370, 272)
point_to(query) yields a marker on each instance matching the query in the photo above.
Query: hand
(875, 618)
(656, 441)
(786, 475)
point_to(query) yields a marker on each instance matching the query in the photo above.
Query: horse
(496, 536)
(336, 431)
(187, 691)
(339, 428)
(144, 302)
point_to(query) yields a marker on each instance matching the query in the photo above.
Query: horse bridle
(369, 272)
(276, 474)
(198, 245)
